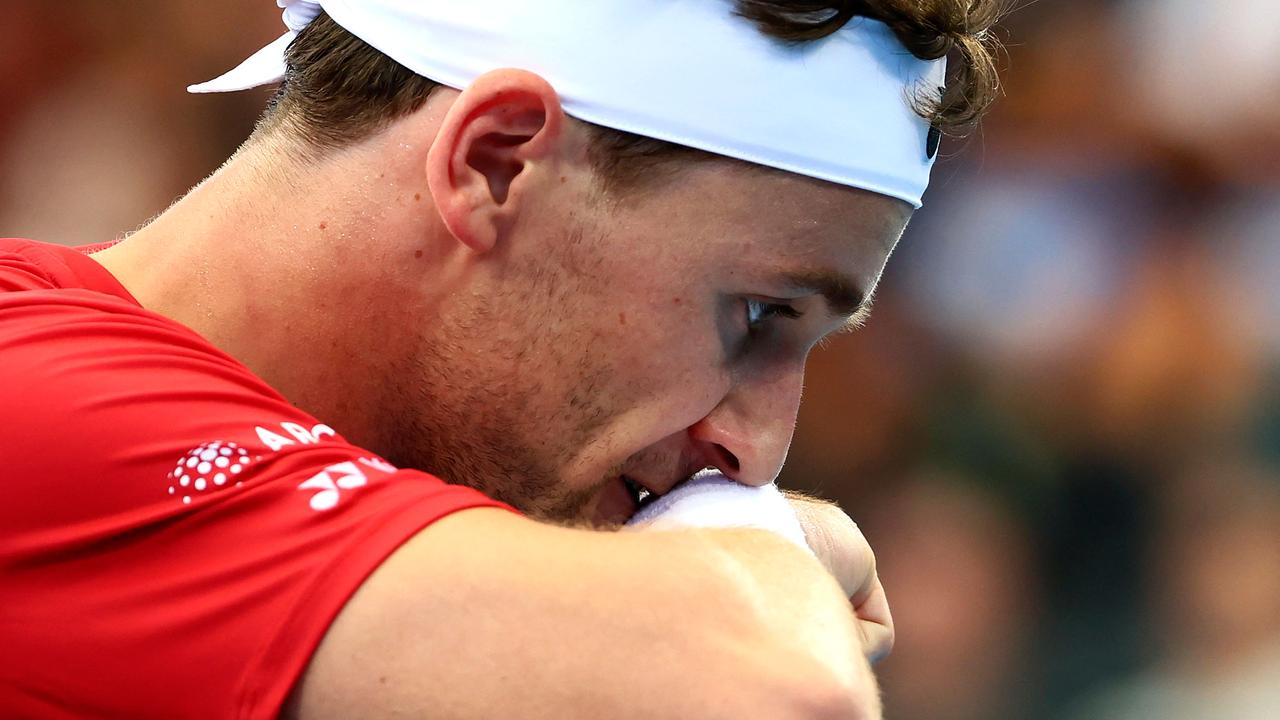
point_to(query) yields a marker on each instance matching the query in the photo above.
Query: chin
(559, 505)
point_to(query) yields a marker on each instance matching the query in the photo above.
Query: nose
(748, 434)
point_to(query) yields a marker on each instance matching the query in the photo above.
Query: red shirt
(175, 537)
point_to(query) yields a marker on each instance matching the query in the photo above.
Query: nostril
(727, 461)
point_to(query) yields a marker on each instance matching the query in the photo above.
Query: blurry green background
(1060, 429)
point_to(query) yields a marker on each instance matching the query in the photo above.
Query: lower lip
(616, 505)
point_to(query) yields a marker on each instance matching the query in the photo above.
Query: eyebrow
(842, 294)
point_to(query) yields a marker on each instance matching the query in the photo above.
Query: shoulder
(199, 501)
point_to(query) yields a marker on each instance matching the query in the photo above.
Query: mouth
(639, 493)
(621, 500)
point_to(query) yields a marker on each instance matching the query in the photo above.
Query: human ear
(498, 132)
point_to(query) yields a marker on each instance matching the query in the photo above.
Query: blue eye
(759, 311)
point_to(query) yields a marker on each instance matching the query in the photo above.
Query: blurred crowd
(1061, 427)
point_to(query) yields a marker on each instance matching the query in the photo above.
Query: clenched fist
(835, 538)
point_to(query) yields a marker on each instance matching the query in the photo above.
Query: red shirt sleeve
(176, 537)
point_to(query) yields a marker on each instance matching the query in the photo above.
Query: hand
(835, 538)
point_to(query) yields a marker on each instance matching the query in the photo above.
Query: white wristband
(710, 499)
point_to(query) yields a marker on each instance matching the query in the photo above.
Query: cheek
(671, 362)
(654, 333)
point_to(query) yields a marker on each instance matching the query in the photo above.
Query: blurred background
(1060, 429)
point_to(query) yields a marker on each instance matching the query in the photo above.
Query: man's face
(610, 342)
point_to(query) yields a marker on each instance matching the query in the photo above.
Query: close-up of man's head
(609, 253)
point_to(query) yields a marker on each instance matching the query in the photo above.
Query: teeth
(638, 491)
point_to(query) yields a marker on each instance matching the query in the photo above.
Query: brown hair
(338, 89)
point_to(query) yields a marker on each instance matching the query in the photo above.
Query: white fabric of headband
(690, 72)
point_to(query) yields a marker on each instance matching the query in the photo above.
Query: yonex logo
(331, 481)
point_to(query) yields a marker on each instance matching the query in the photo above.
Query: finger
(875, 622)
(877, 641)
(860, 567)
(874, 607)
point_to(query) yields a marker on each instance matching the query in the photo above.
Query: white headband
(685, 71)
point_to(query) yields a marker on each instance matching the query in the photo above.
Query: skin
(458, 294)
(488, 323)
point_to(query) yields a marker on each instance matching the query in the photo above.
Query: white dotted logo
(210, 466)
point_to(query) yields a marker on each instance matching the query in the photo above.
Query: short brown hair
(338, 89)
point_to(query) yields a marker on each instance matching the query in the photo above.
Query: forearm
(489, 615)
(788, 591)
(761, 610)
(820, 527)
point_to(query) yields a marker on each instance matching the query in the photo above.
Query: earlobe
(486, 157)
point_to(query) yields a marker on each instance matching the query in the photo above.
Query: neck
(277, 265)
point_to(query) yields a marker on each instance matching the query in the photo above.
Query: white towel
(709, 499)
